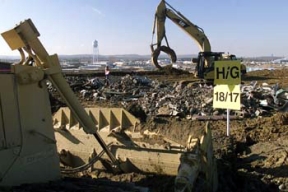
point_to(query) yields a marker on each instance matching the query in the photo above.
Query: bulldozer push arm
(194, 31)
(24, 37)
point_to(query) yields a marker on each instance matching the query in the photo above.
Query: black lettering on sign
(226, 96)
(227, 72)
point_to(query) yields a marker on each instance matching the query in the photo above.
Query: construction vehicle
(205, 61)
(36, 147)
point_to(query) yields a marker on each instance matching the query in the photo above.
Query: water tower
(95, 52)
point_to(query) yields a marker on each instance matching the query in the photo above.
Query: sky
(246, 28)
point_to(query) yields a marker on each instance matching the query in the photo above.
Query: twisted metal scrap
(187, 100)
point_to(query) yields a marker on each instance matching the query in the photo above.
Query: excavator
(205, 61)
(38, 147)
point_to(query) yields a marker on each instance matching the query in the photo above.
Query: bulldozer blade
(133, 149)
(110, 118)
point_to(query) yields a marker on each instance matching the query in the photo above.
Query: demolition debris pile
(183, 99)
(257, 157)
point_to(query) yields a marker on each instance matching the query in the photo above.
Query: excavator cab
(204, 68)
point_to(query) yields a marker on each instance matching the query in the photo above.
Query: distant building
(280, 61)
(284, 61)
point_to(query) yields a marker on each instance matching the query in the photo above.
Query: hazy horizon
(3, 57)
(245, 28)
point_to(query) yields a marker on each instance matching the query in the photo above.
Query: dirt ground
(257, 160)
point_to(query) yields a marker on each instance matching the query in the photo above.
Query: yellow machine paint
(28, 150)
(35, 145)
(204, 62)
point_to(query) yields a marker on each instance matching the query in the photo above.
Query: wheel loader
(36, 147)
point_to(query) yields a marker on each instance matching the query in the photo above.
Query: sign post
(226, 93)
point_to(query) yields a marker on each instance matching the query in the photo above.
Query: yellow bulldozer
(36, 147)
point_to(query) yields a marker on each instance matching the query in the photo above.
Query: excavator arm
(195, 32)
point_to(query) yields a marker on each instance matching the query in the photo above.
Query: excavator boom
(194, 31)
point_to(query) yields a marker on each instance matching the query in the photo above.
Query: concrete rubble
(183, 99)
